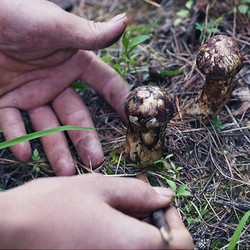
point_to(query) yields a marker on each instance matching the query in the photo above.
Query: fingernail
(118, 17)
(166, 192)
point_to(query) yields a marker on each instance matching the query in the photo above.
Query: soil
(214, 158)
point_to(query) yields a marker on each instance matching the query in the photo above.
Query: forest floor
(212, 161)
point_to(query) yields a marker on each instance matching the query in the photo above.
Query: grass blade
(238, 231)
(139, 39)
(171, 73)
(38, 134)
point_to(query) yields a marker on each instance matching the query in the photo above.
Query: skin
(112, 217)
(43, 49)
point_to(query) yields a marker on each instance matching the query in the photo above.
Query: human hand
(43, 49)
(88, 211)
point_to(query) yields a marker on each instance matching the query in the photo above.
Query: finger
(131, 232)
(55, 145)
(71, 111)
(13, 126)
(105, 81)
(132, 196)
(77, 32)
(181, 238)
(52, 28)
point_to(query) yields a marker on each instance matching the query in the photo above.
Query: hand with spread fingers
(43, 49)
(103, 213)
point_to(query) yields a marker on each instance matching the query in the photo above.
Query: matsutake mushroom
(148, 109)
(220, 60)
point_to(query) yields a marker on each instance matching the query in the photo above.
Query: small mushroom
(220, 60)
(148, 109)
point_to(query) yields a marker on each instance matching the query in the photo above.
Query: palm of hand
(37, 67)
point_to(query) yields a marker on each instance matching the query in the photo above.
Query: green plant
(79, 85)
(171, 72)
(137, 164)
(181, 190)
(238, 230)
(163, 159)
(38, 134)
(244, 8)
(200, 212)
(110, 171)
(183, 13)
(37, 160)
(211, 27)
(175, 170)
(35, 157)
(217, 124)
(129, 57)
(128, 62)
(115, 159)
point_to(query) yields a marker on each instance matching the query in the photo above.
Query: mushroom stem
(148, 110)
(213, 97)
(220, 60)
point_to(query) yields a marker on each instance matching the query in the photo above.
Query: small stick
(159, 220)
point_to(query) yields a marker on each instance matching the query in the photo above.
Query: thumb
(136, 198)
(80, 33)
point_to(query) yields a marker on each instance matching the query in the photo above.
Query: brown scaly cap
(219, 58)
(149, 105)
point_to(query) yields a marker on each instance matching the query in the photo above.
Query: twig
(118, 163)
(234, 129)
(236, 123)
(223, 174)
(208, 202)
(241, 206)
(153, 3)
(84, 167)
(159, 220)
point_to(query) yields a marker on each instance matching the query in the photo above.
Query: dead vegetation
(214, 159)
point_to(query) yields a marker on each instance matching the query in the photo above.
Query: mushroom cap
(149, 106)
(219, 58)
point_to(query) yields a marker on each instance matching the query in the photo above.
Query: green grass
(238, 231)
(38, 134)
